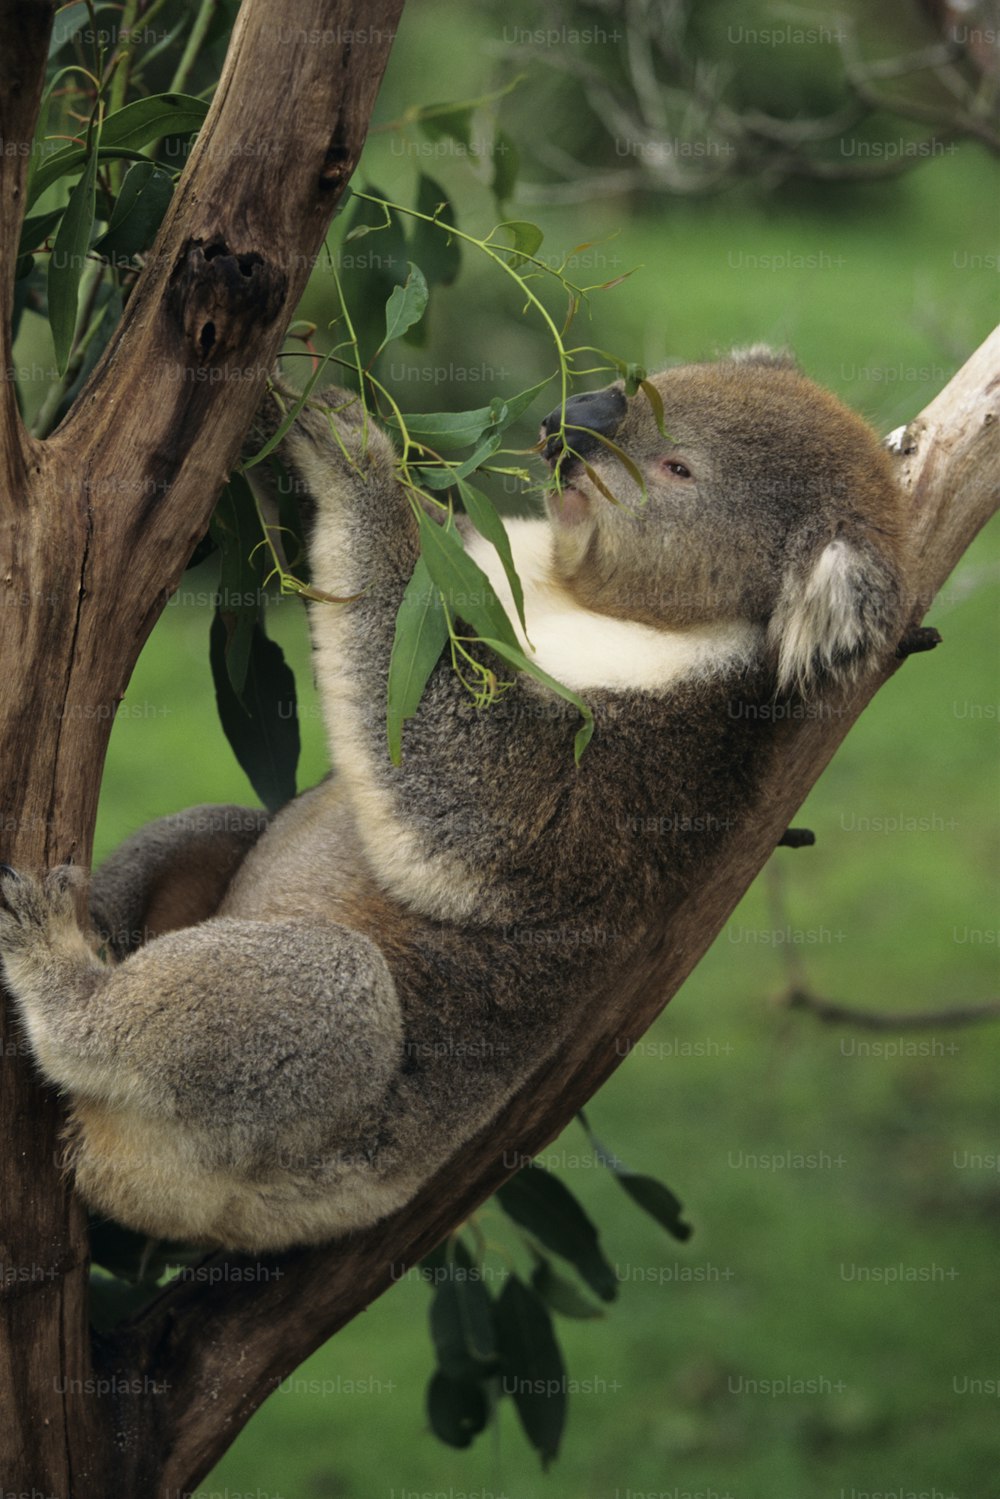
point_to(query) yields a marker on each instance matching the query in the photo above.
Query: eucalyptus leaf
(651, 1195)
(444, 476)
(487, 522)
(235, 529)
(124, 134)
(457, 1409)
(461, 1319)
(462, 581)
(544, 1206)
(69, 255)
(443, 429)
(533, 1373)
(33, 232)
(262, 727)
(438, 253)
(658, 1201)
(152, 118)
(67, 21)
(525, 238)
(560, 1294)
(447, 428)
(406, 305)
(454, 121)
(506, 165)
(138, 212)
(421, 633)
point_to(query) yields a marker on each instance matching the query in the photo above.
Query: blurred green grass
(898, 897)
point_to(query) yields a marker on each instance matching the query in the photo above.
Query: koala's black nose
(594, 411)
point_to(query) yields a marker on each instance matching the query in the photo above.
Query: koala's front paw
(36, 910)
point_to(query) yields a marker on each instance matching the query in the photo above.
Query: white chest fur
(584, 649)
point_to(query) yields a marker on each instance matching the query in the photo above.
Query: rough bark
(96, 525)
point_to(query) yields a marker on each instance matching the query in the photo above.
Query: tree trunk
(96, 526)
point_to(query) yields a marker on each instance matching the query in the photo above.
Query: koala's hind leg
(171, 873)
(245, 1035)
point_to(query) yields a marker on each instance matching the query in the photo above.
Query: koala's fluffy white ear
(834, 616)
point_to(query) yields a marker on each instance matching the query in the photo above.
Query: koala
(295, 1021)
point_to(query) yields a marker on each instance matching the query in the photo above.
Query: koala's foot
(45, 957)
(36, 911)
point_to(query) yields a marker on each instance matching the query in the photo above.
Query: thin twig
(832, 1013)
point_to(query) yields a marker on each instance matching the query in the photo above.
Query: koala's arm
(171, 873)
(438, 832)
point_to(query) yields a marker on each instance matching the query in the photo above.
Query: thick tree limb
(218, 1352)
(96, 526)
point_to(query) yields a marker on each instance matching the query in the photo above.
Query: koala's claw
(30, 907)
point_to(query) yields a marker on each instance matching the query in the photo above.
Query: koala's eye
(677, 469)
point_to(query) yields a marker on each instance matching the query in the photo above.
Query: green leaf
(487, 522)
(444, 476)
(151, 119)
(421, 633)
(454, 121)
(461, 1319)
(406, 305)
(125, 133)
(262, 727)
(560, 1294)
(541, 1203)
(516, 657)
(658, 1201)
(33, 232)
(634, 377)
(285, 490)
(506, 165)
(462, 581)
(107, 311)
(457, 1409)
(69, 254)
(525, 239)
(651, 1195)
(235, 529)
(515, 406)
(533, 1371)
(138, 212)
(447, 428)
(444, 429)
(655, 400)
(37, 229)
(66, 23)
(438, 253)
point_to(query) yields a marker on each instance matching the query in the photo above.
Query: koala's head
(765, 500)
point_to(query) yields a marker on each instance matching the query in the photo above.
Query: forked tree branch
(217, 1352)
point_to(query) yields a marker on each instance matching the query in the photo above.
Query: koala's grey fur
(309, 1016)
